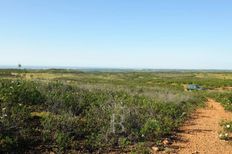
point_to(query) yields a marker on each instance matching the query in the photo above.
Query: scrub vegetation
(68, 111)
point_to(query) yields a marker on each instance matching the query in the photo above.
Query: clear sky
(188, 34)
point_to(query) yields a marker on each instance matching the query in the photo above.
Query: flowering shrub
(226, 134)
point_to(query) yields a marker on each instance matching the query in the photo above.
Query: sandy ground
(223, 89)
(200, 133)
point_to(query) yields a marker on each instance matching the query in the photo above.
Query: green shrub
(227, 126)
(20, 91)
(15, 127)
(151, 129)
(225, 98)
(62, 141)
(59, 130)
(141, 148)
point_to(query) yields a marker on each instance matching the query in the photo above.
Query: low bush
(226, 134)
(19, 91)
(14, 126)
(225, 98)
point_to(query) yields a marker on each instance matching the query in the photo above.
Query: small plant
(227, 130)
(123, 142)
(227, 126)
(151, 129)
(141, 148)
(62, 140)
(6, 143)
(224, 136)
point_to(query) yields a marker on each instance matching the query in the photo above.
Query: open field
(67, 111)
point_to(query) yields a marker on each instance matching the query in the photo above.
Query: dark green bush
(59, 130)
(15, 129)
(20, 91)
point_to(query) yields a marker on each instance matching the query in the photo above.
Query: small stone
(155, 149)
(166, 141)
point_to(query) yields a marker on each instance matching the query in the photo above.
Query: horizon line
(106, 68)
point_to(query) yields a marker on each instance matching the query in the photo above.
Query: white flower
(142, 135)
(3, 109)
(226, 135)
(227, 126)
(221, 135)
(20, 104)
(4, 115)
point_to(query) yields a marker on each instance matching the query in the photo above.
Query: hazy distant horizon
(109, 68)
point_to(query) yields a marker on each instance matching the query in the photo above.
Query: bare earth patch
(223, 89)
(200, 133)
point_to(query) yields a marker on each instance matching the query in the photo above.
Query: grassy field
(70, 111)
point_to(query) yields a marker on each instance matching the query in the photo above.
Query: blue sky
(188, 34)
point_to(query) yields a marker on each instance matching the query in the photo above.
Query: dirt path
(200, 134)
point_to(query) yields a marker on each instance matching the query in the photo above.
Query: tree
(19, 66)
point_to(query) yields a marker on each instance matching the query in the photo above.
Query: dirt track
(200, 134)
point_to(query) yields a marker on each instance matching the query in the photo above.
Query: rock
(166, 141)
(155, 149)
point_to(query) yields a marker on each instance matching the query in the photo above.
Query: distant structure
(191, 87)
